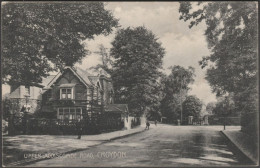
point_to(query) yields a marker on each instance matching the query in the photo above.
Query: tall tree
(175, 87)
(42, 37)
(138, 58)
(192, 107)
(232, 65)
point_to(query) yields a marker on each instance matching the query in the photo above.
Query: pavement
(244, 143)
(23, 149)
(161, 146)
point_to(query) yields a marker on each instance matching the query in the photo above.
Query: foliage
(232, 38)
(192, 107)
(225, 107)
(137, 59)
(210, 106)
(106, 60)
(174, 88)
(42, 37)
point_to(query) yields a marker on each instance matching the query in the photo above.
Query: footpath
(244, 143)
(25, 149)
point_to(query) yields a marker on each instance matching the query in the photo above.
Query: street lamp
(226, 109)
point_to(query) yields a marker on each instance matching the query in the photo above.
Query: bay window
(70, 113)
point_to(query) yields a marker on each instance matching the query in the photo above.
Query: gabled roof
(122, 108)
(47, 80)
(93, 79)
(80, 73)
(52, 81)
(85, 77)
(83, 74)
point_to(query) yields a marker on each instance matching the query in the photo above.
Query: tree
(192, 107)
(137, 59)
(42, 37)
(210, 106)
(225, 106)
(175, 87)
(232, 65)
(105, 58)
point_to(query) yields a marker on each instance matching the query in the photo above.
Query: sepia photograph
(129, 84)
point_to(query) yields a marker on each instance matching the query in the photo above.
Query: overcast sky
(183, 46)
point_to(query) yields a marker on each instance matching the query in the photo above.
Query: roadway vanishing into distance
(162, 145)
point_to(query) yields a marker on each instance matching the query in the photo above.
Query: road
(160, 146)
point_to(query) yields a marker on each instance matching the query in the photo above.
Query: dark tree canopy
(174, 88)
(225, 107)
(138, 58)
(42, 37)
(232, 38)
(192, 107)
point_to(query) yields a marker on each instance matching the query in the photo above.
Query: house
(71, 94)
(74, 94)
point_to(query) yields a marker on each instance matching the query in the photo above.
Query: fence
(213, 120)
(42, 126)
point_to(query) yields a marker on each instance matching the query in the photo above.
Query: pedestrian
(79, 128)
(147, 125)
(155, 122)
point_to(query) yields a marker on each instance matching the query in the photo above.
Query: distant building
(24, 96)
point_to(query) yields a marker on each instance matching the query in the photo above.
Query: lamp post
(26, 111)
(224, 117)
(226, 109)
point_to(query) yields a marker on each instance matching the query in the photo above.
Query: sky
(183, 46)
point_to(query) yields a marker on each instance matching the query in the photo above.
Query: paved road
(163, 145)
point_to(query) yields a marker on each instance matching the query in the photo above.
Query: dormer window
(67, 91)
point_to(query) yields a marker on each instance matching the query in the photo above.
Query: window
(69, 113)
(66, 93)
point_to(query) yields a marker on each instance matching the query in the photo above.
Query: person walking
(155, 122)
(79, 128)
(147, 125)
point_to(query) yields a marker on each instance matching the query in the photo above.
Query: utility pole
(181, 94)
(181, 99)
